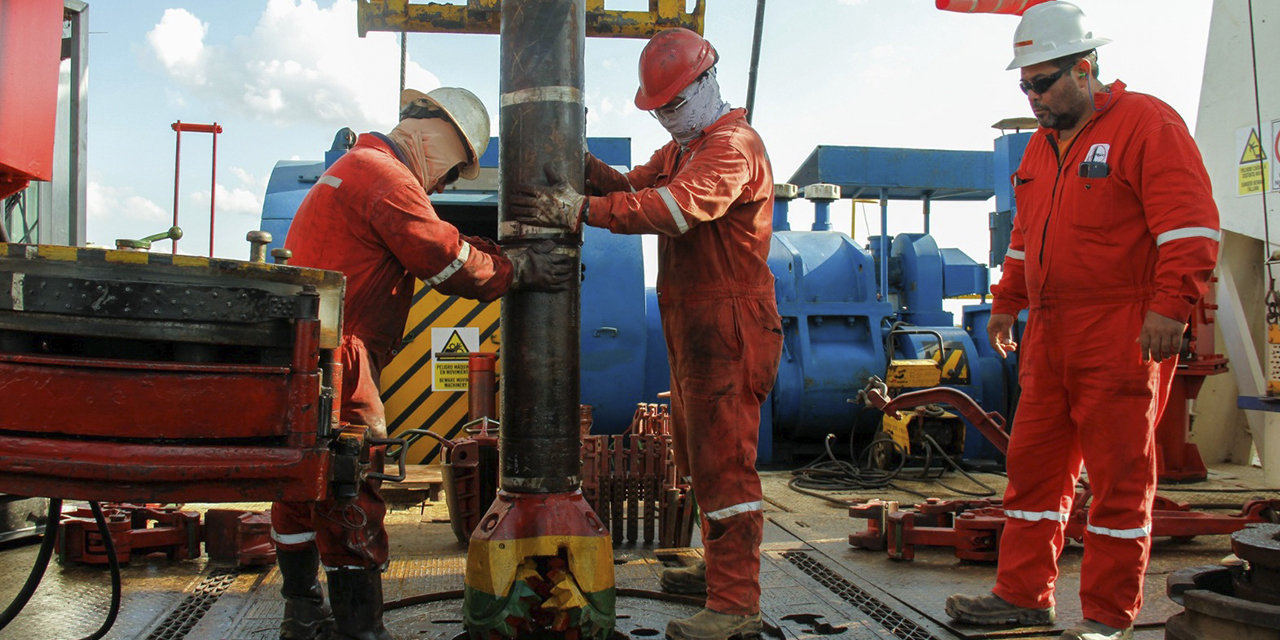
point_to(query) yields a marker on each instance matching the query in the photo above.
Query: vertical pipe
(213, 184)
(79, 133)
(821, 215)
(542, 122)
(177, 165)
(884, 245)
(482, 379)
(927, 197)
(755, 60)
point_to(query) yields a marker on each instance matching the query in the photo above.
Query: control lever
(125, 244)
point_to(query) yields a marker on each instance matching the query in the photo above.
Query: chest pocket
(1090, 203)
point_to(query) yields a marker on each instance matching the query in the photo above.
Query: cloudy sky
(282, 76)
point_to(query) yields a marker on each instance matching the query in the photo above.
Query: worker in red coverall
(368, 216)
(708, 194)
(1114, 242)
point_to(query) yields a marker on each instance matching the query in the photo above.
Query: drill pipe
(542, 122)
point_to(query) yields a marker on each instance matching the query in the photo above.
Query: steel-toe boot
(709, 625)
(356, 596)
(992, 609)
(690, 580)
(306, 616)
(1090, 630)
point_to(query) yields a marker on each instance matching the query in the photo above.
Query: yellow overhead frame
(485, 16)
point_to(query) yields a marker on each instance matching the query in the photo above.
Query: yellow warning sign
(451, 349)
(454, 347)
(1253, 169)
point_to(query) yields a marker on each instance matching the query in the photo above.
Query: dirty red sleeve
(704, 190)
(433, 250)
(1177, 199)
(1010, 294)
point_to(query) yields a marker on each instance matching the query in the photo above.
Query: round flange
(638, 618)
(1258, 544)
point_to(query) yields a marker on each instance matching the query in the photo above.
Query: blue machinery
(837, 321)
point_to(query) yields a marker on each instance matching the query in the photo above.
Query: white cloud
(119, 204)
(245, 199)
(178, 42)
(301, 63)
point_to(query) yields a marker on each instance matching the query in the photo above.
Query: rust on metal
(485, 16)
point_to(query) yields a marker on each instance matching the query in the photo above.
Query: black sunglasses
(1043, 83)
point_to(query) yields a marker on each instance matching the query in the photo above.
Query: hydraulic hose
(42, 564)
(37, 571)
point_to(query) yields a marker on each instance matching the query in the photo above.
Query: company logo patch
(1098, 153)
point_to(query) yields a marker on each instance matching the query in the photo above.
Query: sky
(282, 76)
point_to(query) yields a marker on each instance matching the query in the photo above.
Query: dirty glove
(557, 205)
(540, 270)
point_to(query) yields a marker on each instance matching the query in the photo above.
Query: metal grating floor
(813, 586)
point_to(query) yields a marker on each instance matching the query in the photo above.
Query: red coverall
(712, 208)
(1090, 256)
(369, 218)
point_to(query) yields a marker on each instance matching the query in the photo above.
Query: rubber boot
(306, 616)
(992, 609)
(356, 596)
(690, 580)
(709, 625)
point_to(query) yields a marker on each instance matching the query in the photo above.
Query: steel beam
(485, 16)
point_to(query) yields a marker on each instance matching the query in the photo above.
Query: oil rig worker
(1115, 241)
(369, 217)
(708, 195)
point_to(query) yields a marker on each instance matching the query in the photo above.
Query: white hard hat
(463, 109)
(1050, 31)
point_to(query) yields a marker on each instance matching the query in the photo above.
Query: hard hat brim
(1038, 57)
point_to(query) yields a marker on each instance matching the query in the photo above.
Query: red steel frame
(120, 430)
(214, 129)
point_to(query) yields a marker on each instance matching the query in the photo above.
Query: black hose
(42, 564)
(37, 571)
(114, 564)
(930, 445)
(829, 473)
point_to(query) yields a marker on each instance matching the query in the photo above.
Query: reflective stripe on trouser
(1086, 396)
(724, 357)
(350, 534)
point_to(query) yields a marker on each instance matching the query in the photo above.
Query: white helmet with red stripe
(1050, 31)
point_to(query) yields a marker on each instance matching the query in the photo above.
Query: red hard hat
(672, 60)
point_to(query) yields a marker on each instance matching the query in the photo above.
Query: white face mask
(701, 108)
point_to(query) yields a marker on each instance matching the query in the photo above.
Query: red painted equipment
(470, 465)
(973, 527)
(1015, 7)
(30, 37)
(139, 377)
(232, 536)
(1176, 459)
(630, 479)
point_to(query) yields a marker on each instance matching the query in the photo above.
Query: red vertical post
(213, 184)
(177, 165)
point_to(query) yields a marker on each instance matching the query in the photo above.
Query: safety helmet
(1050, 31)
(672, 60)
(463, 109)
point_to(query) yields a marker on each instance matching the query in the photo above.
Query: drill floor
(814, 585)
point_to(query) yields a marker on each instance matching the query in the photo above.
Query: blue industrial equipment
(846, 311)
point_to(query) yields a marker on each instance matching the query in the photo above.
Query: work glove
(540, 269)
(557, 205)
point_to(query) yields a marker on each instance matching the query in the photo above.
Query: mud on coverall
(368, 217)
(711, 206)
(1090, 256)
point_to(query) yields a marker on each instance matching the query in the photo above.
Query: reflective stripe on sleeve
(1015, 254)
(729, 512)
(1189, 232)
(292, 538)
(332, 181)
(1127, 534)
(674, 209)
(1037, 516)
(463, 254)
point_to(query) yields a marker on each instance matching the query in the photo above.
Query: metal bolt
(258, 241)
(281, 255)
